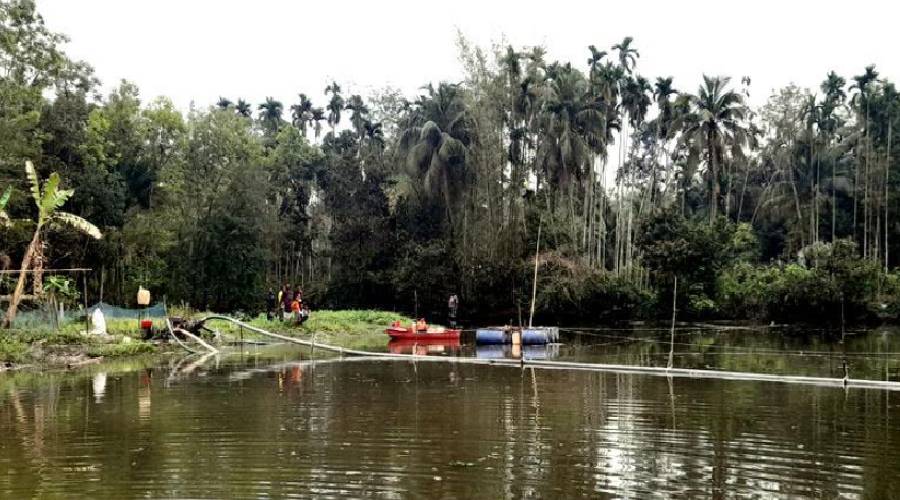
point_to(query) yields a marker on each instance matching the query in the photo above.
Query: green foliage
(120, 349)
(571, 293)
(834, 280)
(408, 199)
(12, 350)
(695, 252)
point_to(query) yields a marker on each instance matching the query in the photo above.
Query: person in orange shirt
(295, 309)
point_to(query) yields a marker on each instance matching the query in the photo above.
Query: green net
(42, 316)
(156, 311)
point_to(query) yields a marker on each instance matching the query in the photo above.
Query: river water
(274, 422)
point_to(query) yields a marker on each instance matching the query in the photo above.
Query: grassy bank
(348, 328)
(69, 346)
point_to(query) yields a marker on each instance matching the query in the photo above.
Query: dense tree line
(394, 201)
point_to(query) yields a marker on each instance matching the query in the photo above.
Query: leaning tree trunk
(20, 284)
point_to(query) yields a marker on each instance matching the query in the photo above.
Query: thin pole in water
(672, 335)
(537, 252)
(844, 344)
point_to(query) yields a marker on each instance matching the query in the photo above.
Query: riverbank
(351, 329)
(69, 347)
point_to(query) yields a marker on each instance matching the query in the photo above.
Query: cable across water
(565, 365)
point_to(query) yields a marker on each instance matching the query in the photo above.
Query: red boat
(399, 332)
(423, 348)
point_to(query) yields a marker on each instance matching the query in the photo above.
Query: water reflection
(424, 347)
(144, 395)
(508, 351)
(279, 425)
(868, 354)
(98, 385)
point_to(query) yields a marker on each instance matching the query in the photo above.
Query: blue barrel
(491, 336)
(535, 336)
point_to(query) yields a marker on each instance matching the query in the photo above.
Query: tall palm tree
(48, 198)
(864, 87)
(358, 111)
(627, 55)
(436, 138)
(595, 59)
(890, 98)
(301, 113)
(636, 99)
(243, 108)
(374, 133)
(335, 105)
(317, 116)
(833, 87)
(564, 148)
(715, 127)
(662, 92)
(270, 114)
(224, 103)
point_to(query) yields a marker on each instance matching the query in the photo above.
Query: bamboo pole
(537, 252)
(672, 334)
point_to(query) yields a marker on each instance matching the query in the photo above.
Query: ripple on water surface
(397, 429)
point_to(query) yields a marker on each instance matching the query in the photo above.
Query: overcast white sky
(197, 50)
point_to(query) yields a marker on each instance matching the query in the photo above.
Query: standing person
(286, 300)
(281, 293)
(452, 307)
(271, 304)
(295, 309)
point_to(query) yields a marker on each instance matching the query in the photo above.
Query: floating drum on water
(534, 336)
(540, 335)
(486, 336)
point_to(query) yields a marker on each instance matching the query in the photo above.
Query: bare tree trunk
(714, 179)
(856, 192)
(833, 203)
(866, 192)
(797, 205)
(743, 190)
(815, 219)
(887, 178)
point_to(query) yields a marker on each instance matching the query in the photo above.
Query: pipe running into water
(847, 383)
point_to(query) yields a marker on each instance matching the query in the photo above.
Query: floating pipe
(847, 383)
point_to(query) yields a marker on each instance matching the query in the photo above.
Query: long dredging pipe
(848, 383)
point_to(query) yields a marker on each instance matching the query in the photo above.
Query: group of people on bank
(288, 302)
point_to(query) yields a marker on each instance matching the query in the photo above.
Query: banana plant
(49, 198)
